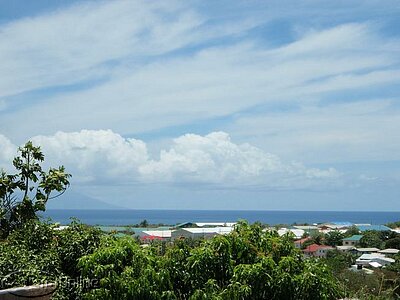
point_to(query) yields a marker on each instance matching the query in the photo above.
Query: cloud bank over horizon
(213, 160)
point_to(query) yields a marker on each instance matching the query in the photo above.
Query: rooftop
(368, 249)
(389, 251)
(356, 237)
(373, 227)
(316, 247)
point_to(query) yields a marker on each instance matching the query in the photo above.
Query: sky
(259, 105)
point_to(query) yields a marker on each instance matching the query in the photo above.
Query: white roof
(371, 256)
(345, 247)
(297, 232)
(367, 249)
(305, 227)
(385, 259)
(330, 230)
(389, 251)
(226, 224)
(375, 264)
(218, 230)
(158, 233)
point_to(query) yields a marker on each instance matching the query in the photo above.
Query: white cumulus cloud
(7, 151)
(102, 155)
(95, 154)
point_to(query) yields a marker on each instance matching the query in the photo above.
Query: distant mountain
(73, 200)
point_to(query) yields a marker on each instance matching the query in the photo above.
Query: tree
(371, 238)
(144, 223)
(393, 243)
(353, 230)
(26, 192)
(334, 238)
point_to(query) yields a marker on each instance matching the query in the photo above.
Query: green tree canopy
(334, 238)
(27, 191)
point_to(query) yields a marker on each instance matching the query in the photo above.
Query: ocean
(172, 217)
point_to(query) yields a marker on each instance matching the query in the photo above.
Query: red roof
(301, 241)
(315, 248)
(312, 248)
(151, 237)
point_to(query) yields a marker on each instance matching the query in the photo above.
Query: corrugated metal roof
(158, 233)
(373, 227)
(356, 237)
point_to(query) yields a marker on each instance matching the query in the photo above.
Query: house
(299, 243)
(338, 226)
(156, 234)
(310, 229)
(375, 260)
(389, 251)
(367, 250)
(315, 250)
(352, 241)
(298, 233)
(205, 233)
(345, 248)
(185, 225)
(216, 224)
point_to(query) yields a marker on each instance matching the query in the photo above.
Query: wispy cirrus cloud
(218, 81)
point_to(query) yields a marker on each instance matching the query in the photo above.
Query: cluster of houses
(188, 230)
(367, 257)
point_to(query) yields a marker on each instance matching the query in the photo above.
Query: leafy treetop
(27, 191)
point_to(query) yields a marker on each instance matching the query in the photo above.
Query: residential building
(389, 251)
(200, 232)
(352, 241)
(367, 250)
(375, 260)
(345, 248)
(315, 250)
(155, 234)
(298, 233)
(300, 242)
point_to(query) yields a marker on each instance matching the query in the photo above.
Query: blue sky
(208, 104)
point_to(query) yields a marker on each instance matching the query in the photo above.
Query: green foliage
(393, 243)
(26, 192)
(378, 239)
(360, 285)
(393, 225)
(27, 256)
(144, 223)
(353, 230)
(339, 261)
(246, 264)
(37, 253)
(74, 242)
(334, 238)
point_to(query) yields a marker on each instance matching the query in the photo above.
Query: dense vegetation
(247, 264)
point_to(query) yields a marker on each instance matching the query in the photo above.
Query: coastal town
(308, 238)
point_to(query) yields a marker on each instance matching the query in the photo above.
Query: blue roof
(373, 227)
